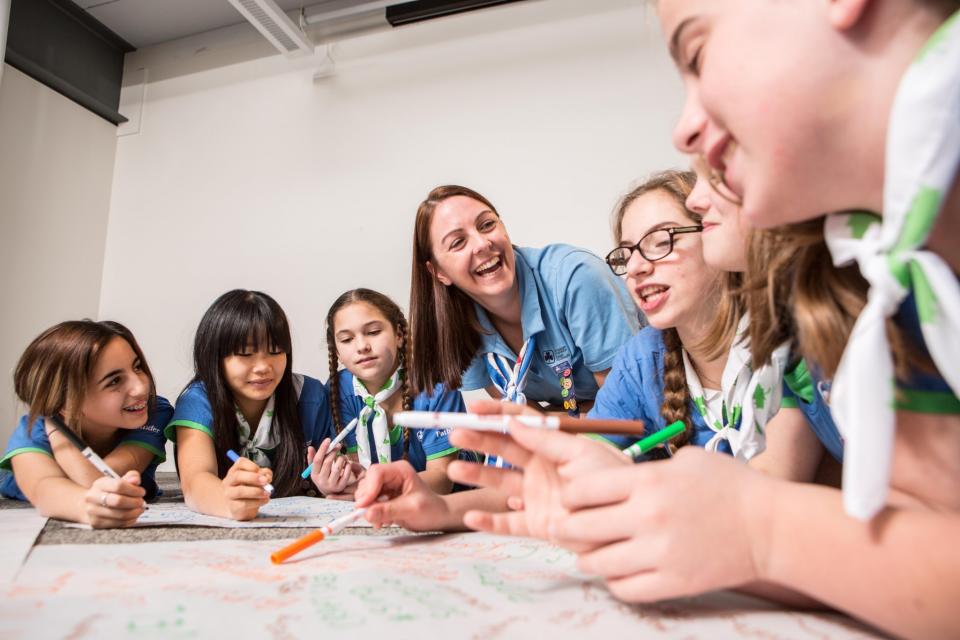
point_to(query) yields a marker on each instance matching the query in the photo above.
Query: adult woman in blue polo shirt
(535, 325)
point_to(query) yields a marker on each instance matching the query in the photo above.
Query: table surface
(56, 533)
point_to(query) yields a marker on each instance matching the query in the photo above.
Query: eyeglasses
(654, 246)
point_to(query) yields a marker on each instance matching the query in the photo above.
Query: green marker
(655, 439)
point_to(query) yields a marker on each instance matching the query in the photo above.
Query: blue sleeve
(192, 411)
(475, 377)
(621, 396)
(26, 440)
(314, 409)
(436, 442)
(595, 304)
(150, 436)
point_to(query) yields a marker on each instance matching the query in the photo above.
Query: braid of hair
(403, 356)
(676, 395)
(334, 384)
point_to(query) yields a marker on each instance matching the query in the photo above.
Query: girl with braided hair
(368, 334)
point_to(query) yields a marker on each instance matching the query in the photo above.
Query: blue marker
(234, 457)
(333, 446)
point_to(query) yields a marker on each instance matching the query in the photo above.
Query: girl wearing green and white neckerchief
(923, 153)
(367, 334)
(685, 366)
(797, 104)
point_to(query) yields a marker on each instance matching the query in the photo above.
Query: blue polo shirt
(426, 444)
(34, 440)
(194, 412)
(801, 390)
(922, 391)
(580, 314)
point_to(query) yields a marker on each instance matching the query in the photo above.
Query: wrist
(762, 494)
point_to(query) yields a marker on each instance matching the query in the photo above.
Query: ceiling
(147, 22)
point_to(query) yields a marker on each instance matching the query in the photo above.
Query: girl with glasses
(667, 372)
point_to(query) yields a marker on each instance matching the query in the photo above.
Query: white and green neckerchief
(372, 410)
(922, 156)
(264, 438)
(749, 398)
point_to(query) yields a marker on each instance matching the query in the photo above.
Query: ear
(439, 275)
(846, 14)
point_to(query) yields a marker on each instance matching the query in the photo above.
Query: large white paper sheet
(454, 586)
(298, 511)
(19, 529)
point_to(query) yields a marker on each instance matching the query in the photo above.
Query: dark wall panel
(60, 45)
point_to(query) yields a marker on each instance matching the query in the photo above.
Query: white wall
(254, 175)
(56, 170)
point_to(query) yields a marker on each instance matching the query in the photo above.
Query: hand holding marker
(234, 457)
(88, 453)
(501, 423)
(84, 448)
(333, 446)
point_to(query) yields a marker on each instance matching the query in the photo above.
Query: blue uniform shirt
(578, 311)
(634, 391)
(35, 440)
(924, 392)
(801, 390)
(428, 444)
(194, 411)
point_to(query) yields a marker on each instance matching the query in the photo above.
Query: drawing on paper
(300, 511)
(464, 585)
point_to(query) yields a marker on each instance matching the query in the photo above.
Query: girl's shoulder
(440, 399)
(309, 389)
(558, 263)
(193, 391)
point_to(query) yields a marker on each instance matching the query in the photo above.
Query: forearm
(129, 458)
(437, 480)
(476, 499)
(204, 492)
(59, 497)
(782, 595)
(76, 467)
(815, 548)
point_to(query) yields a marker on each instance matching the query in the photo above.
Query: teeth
(137, 407)
(651, 290)
(488, 264)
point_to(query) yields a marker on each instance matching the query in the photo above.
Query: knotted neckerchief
(373, 410)
(750, 398)
(510, 380)
(922, 156)
(264, 438)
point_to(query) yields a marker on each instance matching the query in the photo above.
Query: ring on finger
(103, 500)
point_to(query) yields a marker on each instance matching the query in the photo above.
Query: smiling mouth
(136, 408)
(651, 292)
(489, 267)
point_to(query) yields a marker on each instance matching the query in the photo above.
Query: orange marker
(314, 537)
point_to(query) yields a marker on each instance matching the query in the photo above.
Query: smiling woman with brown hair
(539, 325)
